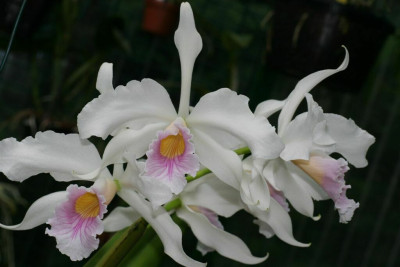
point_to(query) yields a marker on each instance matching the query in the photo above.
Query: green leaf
(118, 246)
(148, 251)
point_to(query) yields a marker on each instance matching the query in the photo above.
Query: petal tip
(316, 218)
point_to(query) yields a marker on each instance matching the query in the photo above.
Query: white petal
(224, 243)
(224, 163)
(169, 233)
(279, 221)
(135, 142)
(189, 44)
(264, 229)
(120, 218)
(268, 107)
(132, 171)
(104, 78)
(351, 141)
(304, 86)
(39, 212)
(157, 193)
(299, 134)
(278, 175)
(211, 193)
(48, 152)
(224, 113)
(135, 105)
(254, 191)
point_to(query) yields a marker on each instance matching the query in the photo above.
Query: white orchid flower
(132, 193)
(75, 215)
(205, 199)
(201, 203)
(143, 121)
(305, 171)
(266, 203)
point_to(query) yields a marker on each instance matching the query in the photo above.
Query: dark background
(259, 48)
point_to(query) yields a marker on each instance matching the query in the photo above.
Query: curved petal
(299, 135)
(104, 78)
(264, 229)
(135, 142)
(49, 152)
(210, 192)
(169, 233)
(137, 104)
(120, 218)
(224, 112)
(279, 221)
(189, 44)
(39, 212)
(224, 243)
(225, 163)
(351, 141)
(304, 86)
(269, 107)
(279, 176)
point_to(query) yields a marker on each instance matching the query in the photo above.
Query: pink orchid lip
(171, 156)
(77, 222)
(329, 174)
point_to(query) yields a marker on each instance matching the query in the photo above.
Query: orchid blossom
(201, 203)
(143, 121)
(132, 188)
(267, 204)
(155, 147)
(305, 171)
(75, 215)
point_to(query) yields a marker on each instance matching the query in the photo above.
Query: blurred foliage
(51, 72)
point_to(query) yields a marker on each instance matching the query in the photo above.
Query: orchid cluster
(213, 159)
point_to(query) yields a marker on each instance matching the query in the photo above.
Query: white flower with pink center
(143, 121)
(305, 171)
(77, 222)
(75, 215)
(171, 156)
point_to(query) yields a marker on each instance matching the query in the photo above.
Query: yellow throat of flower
(172, 146)
(87, 205)
(311, 168)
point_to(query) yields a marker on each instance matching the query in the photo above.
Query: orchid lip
(172, 146)
(87, 205)
(171, 156)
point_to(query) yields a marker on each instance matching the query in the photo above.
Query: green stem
(243, 151)
(176, 203)
(202, 172)
(198, 175)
